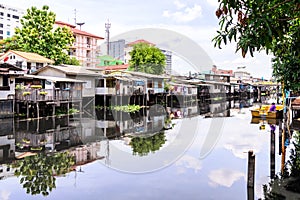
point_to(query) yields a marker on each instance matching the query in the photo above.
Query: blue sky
(193, 18)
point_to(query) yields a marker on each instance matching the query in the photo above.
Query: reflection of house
(29, 62)
(86, 153)
(7, 141)
(51, 134)
(8, 73)
(84, 48)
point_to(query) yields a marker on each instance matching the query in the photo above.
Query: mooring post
(251, 175)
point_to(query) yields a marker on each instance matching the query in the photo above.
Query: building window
(100, 83)
(1, 25)
(15, 17)
(1, 13)
(8, 33)
(8, 15)
(149, 84)
(1, 32)
(1, 37)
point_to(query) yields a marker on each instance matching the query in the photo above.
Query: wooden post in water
(251, 175)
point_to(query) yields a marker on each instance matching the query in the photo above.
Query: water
(176, 168)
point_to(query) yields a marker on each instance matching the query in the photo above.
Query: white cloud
(179, 5)
(213, 3)
(184, 15)
(224, 177)
(188, 162)
(5, 195)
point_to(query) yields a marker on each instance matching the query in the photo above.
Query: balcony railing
(48, 95)
(4, 88)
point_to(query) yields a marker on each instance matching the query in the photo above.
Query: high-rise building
(116, 49)
(10, 18)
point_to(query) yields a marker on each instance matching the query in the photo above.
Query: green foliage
(148, 59)
(38, 172)
(38, 36)
(287, 184)
(72, 61)
(122, 108)
(8, 43)
(143, 145)
(271, 25)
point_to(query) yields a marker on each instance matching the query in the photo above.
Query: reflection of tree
(287, 184)
(142, 146)
(38, 172)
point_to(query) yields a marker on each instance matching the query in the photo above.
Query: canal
(201, 155)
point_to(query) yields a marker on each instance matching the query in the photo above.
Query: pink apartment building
(84, 48)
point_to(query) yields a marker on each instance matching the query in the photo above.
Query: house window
(160, 84)
(100, 83)
(149, 84)
(19, 64)
(39, 65)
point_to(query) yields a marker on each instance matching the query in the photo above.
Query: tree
(148, 59)
(271, 25)
(143, 145)
(37, 35)
(38, 172)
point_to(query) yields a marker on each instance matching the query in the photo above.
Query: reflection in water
(287, 183)
(38, 171)
(62, 144)
(143, 145)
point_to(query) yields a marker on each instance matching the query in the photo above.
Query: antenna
(75, 19)
(107, 27)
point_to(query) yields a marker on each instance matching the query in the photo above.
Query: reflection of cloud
(179, 5)
(224, 177)
(184, 13)
(213, 3)
(188, 162)
(5, 195)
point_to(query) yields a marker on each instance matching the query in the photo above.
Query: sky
(194, 19)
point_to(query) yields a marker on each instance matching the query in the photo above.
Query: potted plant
(43, 93)
(26, 93)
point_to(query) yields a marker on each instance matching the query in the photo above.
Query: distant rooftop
(77, 31)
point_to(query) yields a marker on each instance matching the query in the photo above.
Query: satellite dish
(80, 24)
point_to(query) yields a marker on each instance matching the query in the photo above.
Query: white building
(28, 62)
(10, 18)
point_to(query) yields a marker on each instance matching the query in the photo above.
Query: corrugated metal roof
(52, 78)
(70, 70)
(30, 57)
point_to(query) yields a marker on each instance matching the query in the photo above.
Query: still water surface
(165, 173)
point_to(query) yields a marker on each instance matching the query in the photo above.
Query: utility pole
(107, 27)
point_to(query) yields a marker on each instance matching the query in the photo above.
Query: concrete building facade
(10, 18)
